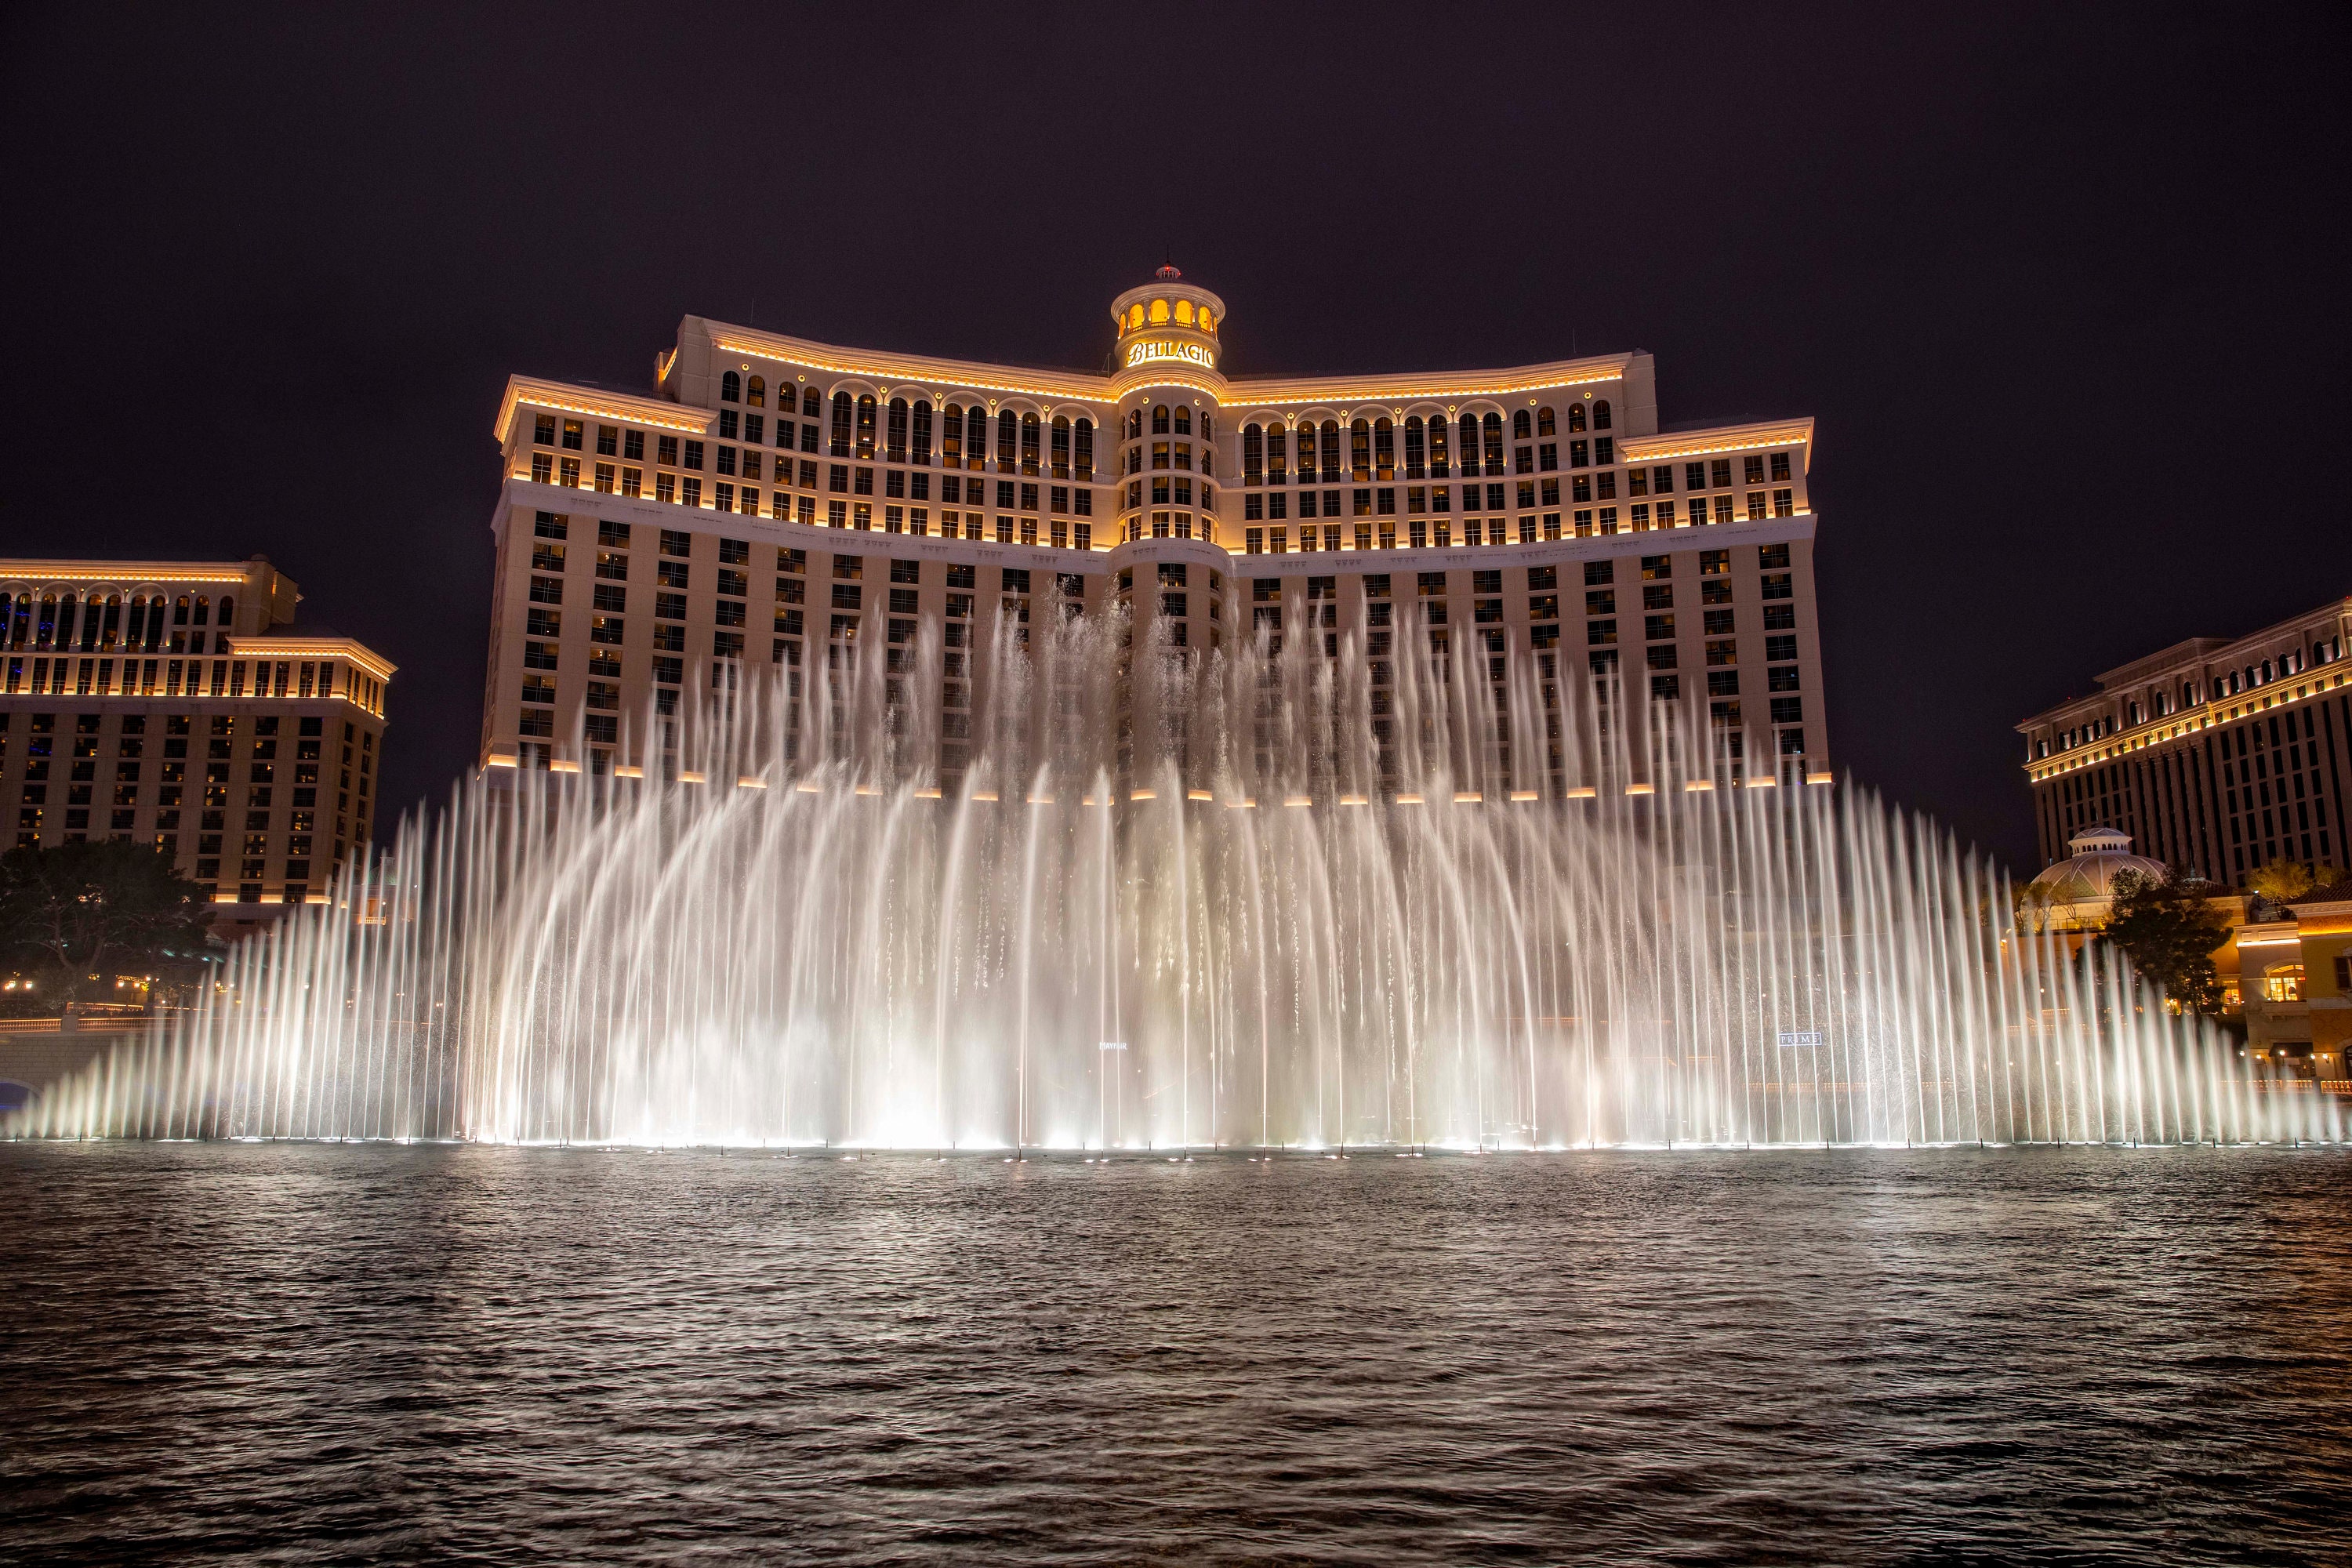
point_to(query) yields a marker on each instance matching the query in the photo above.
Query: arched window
(1331, 435)
(226, 619)
(975, 437)
(2266, 672)
(1061, 445)
(1544, 425)
(1160, 419)
(1601, 415)
(1135, 315)
(112, 629)
(866, 425)
(67, 620)
(845, 414)
(1183, 420)
(922, 454)
(1253, 454)
(1008, 441)
(1575, 418)
(1522, 427)
(894, 434)
(1159, 310)
(1208, 322)
(1184, 312)
(1469, 446)
(809, 403)
(1359, 452)
(1440, 466)
(951, 437)
(204, 610)
(1416, 452)
(1208, 426)
(1086, 458)
(730, 388)
(1134, 422)
(1277, 454)
(1494, 443)
(1384, 450)
(155, 624)
(20, 621)
(1029, 445)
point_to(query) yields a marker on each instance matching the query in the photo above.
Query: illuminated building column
(1168, 384)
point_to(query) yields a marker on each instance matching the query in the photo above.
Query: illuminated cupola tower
(1168, 384)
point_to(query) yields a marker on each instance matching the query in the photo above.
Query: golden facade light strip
(1738, 439)
(2173, 727)
(1168, 378)
(931, 373)
(1232, 395)
(563, 398)
(359, 654)
(1241, 393)
(120, 576)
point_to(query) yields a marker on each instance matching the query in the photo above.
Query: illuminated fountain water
(1249, 935)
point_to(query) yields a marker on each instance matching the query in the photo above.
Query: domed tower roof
(1168, 334)
(1169, 302)
(2088, 875)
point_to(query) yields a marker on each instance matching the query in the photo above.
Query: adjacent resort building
(181, 704)
(2218, 755)
(770, 505)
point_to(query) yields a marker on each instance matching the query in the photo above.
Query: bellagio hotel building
(769, 496)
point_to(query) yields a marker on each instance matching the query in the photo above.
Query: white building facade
(773, 505)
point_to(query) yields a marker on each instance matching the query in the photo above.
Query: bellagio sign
(1194, 354)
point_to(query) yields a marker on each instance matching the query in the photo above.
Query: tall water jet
(1179, 898)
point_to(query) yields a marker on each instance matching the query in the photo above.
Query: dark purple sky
(2062, 288)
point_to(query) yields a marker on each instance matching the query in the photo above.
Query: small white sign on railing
(1114, 1045)
(1801, 1038)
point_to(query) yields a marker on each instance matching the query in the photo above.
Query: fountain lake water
(1175, 900)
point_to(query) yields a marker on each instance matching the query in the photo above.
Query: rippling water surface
(308, 1353)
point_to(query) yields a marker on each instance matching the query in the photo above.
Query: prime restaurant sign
(1162, 348)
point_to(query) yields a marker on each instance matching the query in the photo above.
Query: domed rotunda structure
(2078, 893)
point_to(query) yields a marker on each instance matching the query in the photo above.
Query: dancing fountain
(1177, 900)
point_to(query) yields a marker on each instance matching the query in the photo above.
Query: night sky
(2062, 288)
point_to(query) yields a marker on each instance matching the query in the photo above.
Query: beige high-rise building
(181, 704)
(2217, 754)
(771, 501)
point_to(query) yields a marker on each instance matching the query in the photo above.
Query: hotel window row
(1371, 447)
(720, 475)
(98, 623)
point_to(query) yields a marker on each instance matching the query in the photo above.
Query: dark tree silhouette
(104, 909)
(2167, 928)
